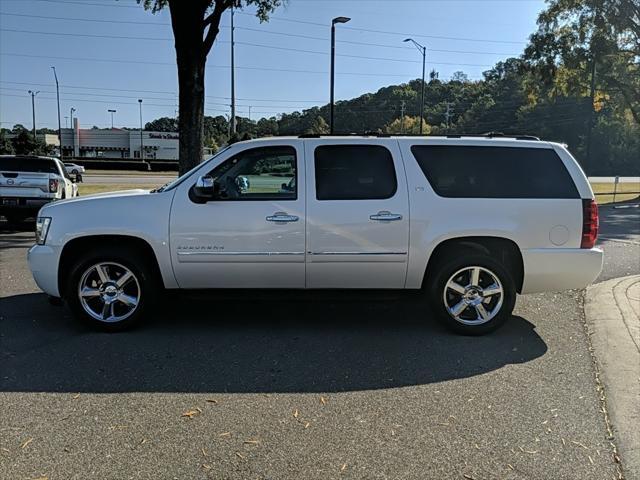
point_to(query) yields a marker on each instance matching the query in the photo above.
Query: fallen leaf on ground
(469, 477)
(204, 452)
(296, 413)
(26, 443)
(41, 478)
(224, 434)
(206, 467)
(510, 466)
(251, 442)
(306, 425)
(144, 440)
(344, 466)
(590, 459)
(323, 401)
(211, 400)
(191, 413)
(76, 396)
(580, 444)
(240, 455)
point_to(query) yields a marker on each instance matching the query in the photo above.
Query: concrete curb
(612, 311)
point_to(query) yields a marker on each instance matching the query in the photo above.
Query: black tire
(443, 272)
(74, 171)
(144, 279)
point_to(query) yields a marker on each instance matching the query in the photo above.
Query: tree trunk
(191, 111)
(187, 24)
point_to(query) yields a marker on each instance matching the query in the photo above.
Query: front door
(357, 214)
(253, 234)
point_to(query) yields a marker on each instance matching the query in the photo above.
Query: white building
(117, 144)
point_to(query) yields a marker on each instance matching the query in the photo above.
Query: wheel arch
(503, 249)
(81, 245)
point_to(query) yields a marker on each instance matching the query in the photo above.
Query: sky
(110, 53)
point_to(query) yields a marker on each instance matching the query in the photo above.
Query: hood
(96, 197)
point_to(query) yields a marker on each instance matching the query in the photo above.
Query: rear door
(357, 214)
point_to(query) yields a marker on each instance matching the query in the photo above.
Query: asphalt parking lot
(250, 388)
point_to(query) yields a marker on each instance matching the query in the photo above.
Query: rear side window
(494, 172)
(354, 172)
(32, 165)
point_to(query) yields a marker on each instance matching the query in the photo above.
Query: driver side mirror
(205, 189)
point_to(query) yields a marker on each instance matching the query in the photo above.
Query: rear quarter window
(494, 172)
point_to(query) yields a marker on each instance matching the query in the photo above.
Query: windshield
(174, 183)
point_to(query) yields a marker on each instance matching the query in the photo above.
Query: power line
(263, 69)
(273, 47)
(291, 20)
(269, 32)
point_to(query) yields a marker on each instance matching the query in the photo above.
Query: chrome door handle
(385, 216)
(282, 217)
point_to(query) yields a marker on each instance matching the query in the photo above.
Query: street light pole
(233, 80)
(58, 99)
(423, 50)
(73, 132)
(141, 141)
(333, 66)
(111, 112)
(33, 110)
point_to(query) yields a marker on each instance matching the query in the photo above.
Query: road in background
(134, 178)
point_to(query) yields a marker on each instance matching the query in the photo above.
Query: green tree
(6, 146)
(411, 125)
(162, 124)
(318, 127)
(196, 24)
(24, 144)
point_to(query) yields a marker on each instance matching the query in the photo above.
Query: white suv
(470, 221)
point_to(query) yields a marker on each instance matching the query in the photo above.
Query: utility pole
(448, 115)
(55, 75)
(33, 109)
(402, 116)
(423, 50)
(111, 111)
(333, 67)
(141, 141)
(249, 112)
(73, 132)
(592, 97)
(233, 79)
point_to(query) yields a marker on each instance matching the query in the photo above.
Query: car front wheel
(111, 289)
(473, 294)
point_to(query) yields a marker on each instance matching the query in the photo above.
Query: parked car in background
(73, 168)
(29, 182)
(468, 221)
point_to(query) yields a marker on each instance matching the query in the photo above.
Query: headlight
(42, 228)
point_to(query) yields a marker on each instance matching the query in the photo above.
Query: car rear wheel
(111, 289)
(473, 294)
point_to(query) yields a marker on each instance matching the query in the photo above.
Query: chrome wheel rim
(109, 292)
(473, 295)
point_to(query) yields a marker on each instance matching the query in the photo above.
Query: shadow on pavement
(249, 346)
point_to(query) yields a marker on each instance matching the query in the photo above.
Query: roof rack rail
(449, 135)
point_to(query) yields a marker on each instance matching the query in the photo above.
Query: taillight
(53, 185)
(590, 223)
